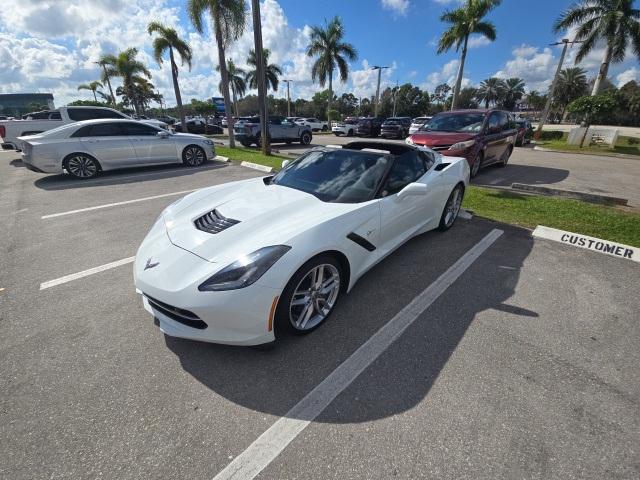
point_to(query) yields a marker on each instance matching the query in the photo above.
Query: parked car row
(393, 127)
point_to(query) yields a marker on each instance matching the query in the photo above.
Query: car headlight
(207, 142)
(244, 271)
(462, 145)
(408, 141)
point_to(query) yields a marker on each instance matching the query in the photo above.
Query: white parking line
(108, 205)
(85, 273)
(268, 446)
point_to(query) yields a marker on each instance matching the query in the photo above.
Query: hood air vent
(214, 222)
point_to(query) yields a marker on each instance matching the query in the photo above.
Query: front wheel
(82, 166)
(310, 296)
(324, 128)
(305, 138)
(193, 156)
(452, 208)
(475, 168)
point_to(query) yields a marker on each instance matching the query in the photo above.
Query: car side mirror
(162, 134)
(413, 189)
(285, 163)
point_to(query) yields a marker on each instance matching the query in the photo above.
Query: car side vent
(441, 166)
(214, 222)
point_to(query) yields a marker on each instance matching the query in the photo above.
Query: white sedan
(240, 262)
(86, 148)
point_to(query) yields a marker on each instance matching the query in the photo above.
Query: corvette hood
(266, 215)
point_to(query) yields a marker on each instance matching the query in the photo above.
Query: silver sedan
(83, 149)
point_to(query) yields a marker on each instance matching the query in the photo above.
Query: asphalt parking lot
(522, 364)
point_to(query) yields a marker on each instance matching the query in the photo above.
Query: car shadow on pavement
(124, 176)
(495, 176)
(17, 163)
(274, 381)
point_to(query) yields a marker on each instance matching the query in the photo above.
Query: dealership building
(16, 104)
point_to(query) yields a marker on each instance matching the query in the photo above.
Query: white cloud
(447, 74)
(399, 7)
(365, 80)
(628, 75)
(476, 41)
(535, 66)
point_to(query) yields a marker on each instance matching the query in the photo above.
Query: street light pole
(545, 113)
(379, 68)
(262, 85)
(395, 99)
(288, 97)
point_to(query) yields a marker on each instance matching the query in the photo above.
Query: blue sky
(51, 46)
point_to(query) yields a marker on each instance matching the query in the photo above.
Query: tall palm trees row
(616, 23)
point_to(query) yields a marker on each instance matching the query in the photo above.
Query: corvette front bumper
(168, 278)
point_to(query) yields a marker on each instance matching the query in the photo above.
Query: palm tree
(228, 24)
(572, 84)
(236, 82)
(107, 63)
(464, 21)
(513, 91)
(271, 71)
(129, 69)
(93, 86)
(168, 39)
(614, 21)
(327, 45)
(535, 100)
(491, 90)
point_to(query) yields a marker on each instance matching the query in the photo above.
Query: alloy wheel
(453, 207)
(81, 166)
(194, 156)
(314, 297)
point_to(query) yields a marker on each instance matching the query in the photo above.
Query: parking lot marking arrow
(275, 439)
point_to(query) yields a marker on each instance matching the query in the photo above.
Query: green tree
(131, 71)
(513, 91)
(535, 100)
(572, 84)
(616, 22)
(491, 90)
(464, 21)
(467, 98)
(168, 39)
(441, 93)
(93, 86)
(271, 71)
(107, 63)
(236, 82)
(590, 108)
(228, 18)
(331, 51)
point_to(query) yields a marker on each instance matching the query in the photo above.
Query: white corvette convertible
(238, 262)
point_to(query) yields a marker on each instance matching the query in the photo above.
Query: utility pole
(379, 68)
(262, 85)
(288, 97)
(395, 99)
(545, 113)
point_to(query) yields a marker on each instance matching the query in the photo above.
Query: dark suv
(483, 137)
(369, 127)
(396, 127)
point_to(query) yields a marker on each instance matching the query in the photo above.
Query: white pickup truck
(314, 124)
(39, 122)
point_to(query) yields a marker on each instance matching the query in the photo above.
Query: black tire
(285, 311)
(350, 133)
(245, 144)
(324, 128)
(193, 156)
(305, 138)
(475, 168)
(447, 221)
(81, 166)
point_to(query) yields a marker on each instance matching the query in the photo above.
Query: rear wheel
(305, 138)
(452, 208)
(311, 295)
(505, 156)
(193, 156)
(81, 165)
(350, 133)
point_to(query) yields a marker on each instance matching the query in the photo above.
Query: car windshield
(54, 131)
(392, 121)
(459, 122)
(341, 176)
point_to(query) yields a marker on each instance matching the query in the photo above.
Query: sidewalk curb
(604, 154)
(221, 158)
(257, 166)
(586, 197)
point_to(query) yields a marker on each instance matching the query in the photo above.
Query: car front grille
(179, 315)
(214, 222)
